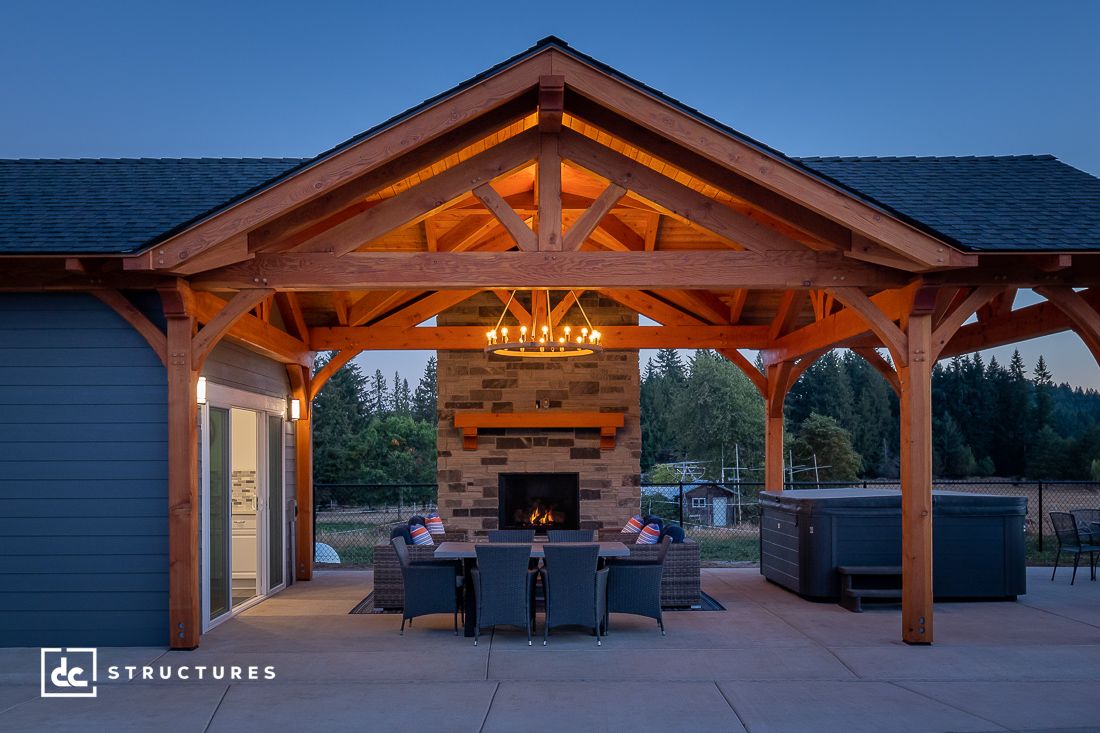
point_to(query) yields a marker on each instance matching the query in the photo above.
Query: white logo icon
(68, 672)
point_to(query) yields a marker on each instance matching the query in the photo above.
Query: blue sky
(149, 79)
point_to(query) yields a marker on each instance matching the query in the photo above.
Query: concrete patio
(770, 662)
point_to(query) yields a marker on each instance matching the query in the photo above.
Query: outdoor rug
(706, 603)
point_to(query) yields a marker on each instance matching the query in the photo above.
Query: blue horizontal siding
(83, 476)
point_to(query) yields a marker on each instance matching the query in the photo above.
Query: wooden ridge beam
(472, 338)
(423, 199)
(676, 197)
(713, 270)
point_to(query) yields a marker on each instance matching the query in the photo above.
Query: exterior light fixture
(544, 341)
(295, 409)
(200, 391)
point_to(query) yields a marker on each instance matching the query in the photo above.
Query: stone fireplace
(476, 480)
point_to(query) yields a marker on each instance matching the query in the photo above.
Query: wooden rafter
(291, 311)
(260, 336)
(514, 306)
(424, 308)
(422, 200)
(789, 308)
(217, 326)
(677, 198)
(590, 219)
(952, 321)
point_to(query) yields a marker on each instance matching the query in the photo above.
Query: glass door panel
(275, 502)
(218, 474)
(244, 451)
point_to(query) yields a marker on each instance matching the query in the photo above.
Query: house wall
(83, 476)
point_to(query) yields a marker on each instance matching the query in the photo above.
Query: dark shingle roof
(983, 204)
(1016, 203)
(116, 205)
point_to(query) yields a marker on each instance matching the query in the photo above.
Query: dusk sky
(112, 79)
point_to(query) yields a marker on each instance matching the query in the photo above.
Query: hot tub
(977, 540)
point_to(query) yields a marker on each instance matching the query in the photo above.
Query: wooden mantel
(606, 422)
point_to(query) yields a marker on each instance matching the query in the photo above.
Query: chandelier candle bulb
(542, 335)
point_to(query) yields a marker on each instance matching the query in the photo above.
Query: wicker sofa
(679, 584)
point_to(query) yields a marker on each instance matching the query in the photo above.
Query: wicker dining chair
(576, 591)
(512, 535)
(570, 535)
(634, 586)
(504, 587)
(1070, 540)
(431, 586)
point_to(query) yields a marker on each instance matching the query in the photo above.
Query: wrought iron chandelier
(543, 340)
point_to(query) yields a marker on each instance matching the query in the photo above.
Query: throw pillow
(435, 524)
(421, 535)
(649, 535)
(633, 525)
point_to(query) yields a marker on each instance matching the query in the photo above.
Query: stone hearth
(478, 382)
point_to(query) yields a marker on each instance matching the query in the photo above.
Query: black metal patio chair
(576, 591)
(634, 586)
(512, 535)
(504, 587)
(570, 535)
(1085, 518)
(431, 586)
(1070, 540)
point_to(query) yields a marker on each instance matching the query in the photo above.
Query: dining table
(467, 553)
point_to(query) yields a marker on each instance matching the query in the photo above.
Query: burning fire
(540, 516)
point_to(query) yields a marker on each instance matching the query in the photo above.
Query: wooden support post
(916, 482)
(778, 377)
(183, 480)
(549, 195)
(303, 470)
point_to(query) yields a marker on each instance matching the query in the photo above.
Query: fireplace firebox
(539, 501)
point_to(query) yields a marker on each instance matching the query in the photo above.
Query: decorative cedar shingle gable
(117, 206)
(1015, 203)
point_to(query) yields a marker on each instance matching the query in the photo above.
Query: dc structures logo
(68, 672)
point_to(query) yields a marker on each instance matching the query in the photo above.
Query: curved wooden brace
(758, 380)
(954, 319)
(333, 365)
(880, 365)
(120, 304)
(1086, 321)
(799, 367)
(207, 338)
(892, 337)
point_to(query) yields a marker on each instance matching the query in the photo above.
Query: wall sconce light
(200, 391)
(295, 409)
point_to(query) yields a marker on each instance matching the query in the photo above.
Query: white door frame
(225, 397)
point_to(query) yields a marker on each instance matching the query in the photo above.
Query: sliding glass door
(243, 501)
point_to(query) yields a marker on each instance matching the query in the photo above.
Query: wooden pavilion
(553, 171)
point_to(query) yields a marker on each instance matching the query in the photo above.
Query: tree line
(988, 419)
(367, 430)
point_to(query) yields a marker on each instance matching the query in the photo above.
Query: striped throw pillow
(634, 525)
(435, 523)
(421, 535)
(649, 535)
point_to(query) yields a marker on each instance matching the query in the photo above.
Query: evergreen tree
(399, 401)
(821, 438)
(378, 398)
(1044, 400)
(424, 398)
(339, 418)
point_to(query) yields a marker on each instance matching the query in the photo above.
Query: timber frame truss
(554, 173)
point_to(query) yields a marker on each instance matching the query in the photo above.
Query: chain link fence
(723, 517)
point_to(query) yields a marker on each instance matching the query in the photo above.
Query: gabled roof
(1016, 203)
(988, 203)
(116, 206)
(1006, 203)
